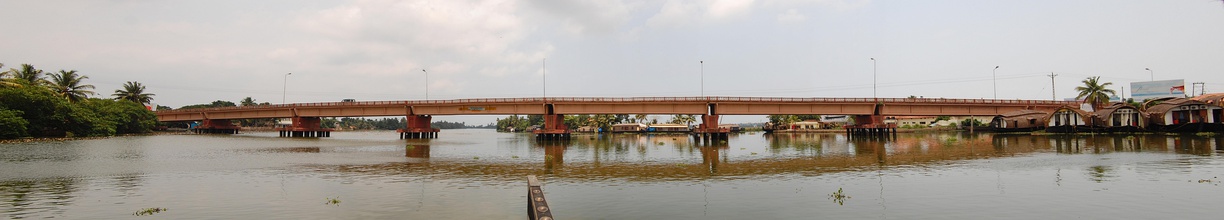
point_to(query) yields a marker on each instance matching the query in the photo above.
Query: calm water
(480, 174)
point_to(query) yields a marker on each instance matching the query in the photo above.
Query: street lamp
(285, 88)
(873, 77)
(1153, 75)
(994, 77)
(702, 62)
(426, 84)
(544, 76)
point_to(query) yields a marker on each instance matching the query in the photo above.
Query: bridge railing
(642, 99)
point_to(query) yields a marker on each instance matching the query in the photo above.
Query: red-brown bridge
(868, 112)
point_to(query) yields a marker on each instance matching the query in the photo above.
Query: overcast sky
(192, 52)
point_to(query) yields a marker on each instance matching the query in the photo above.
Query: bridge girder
(660, 105)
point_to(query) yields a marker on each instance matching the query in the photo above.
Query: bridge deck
(618, 105)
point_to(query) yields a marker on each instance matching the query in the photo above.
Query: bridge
(868, 112)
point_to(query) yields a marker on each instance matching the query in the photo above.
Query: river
(481, 174)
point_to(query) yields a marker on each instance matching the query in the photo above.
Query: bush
(12, 125)
(33, 111)
(125, 117)
(45, 113)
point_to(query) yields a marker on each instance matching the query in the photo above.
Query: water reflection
(1096, 144)
(417, 151)
(710, 158)
(554, 153)
(44, 197)
(789, 175)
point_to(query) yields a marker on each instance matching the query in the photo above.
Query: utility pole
(995, 79)
(873, 78)
(1053, 95)
(544, 66)
(285, 90)
(426, 84)
(1198, 86)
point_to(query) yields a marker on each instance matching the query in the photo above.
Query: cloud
(791, 16)
(597, 17)
(452, 39)
(721, 9)
(675, 13)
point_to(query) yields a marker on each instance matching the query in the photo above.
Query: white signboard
(1158, 89)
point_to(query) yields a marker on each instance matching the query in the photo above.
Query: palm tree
(5, 81)
(28, 75)
(639, 118)
(248, 101)
(1094, 92)
(684, 119)
(67, 84)
(133, 91)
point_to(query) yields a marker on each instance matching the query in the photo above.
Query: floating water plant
(839, 197)
(333, 201)
(150, 211)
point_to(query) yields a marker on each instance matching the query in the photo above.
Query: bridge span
(868, 112)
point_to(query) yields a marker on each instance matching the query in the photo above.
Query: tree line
(602, 121)
(36, 103)
(389, 124)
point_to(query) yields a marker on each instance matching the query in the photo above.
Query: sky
(193, 52)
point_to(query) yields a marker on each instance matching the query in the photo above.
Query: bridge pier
(554, 128)
(870, 126)
(709, 132)
(305, 127)
(418, 127)
(216, 126)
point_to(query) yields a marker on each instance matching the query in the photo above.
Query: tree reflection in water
(42, 197)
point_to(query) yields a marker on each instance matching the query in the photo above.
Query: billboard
(1158, 89)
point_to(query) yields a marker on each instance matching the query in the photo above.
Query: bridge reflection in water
(663, 157)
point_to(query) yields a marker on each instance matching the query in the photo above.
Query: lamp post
(873, 77)
(1153, 75)
(426, 84)
(702, 62)
(285, 88)
(544, 76)
(994, 77)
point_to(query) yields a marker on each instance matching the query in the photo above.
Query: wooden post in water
(537, 207)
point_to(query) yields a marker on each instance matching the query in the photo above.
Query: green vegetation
(61, 107)
(333, 201)
(12, 125)
(683, 119)
(388, 124)
(972, 122)
(214, 104)
(150, 211)
(133, 91)
(839, 197)
(1095, 92)
(787, 119)
(604, 122)
(519, 123)
(67, 84)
